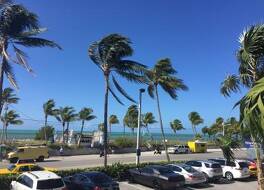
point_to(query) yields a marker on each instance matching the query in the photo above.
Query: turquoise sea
(30, 134)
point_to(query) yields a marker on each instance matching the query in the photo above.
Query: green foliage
(124, 142)
(40, 135)
(227, 144)
(131, 118)
(176, 125)
(198, 136)
(195, 119)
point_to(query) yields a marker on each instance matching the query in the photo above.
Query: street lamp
(142, 90)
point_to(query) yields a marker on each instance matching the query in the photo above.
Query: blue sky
(200, 38)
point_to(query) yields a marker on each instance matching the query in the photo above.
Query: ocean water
(30, 134)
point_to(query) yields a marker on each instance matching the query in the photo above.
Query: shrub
(40, 135)
(124, 142)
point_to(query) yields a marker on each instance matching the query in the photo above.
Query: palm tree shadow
(224, 181)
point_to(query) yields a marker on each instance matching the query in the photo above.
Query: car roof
(26, 164)
(42, 175)
(92, 173)
(205, 161)
(156, 167)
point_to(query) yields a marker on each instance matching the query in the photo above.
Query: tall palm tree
(195, 120)
(176, 125)
(112, 120)
(18, 27)
(108, 54)
(250, 57)
(70, 117)
(10, 118)
(148, 119)
(48, 109)
(131, 118)
(62, 115)
(164, 75)
(8, 97)
(205, 130)
(85, 115)
(220, 122)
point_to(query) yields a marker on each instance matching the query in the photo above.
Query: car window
(243, 164)
(164, 171)
(215, 165)
(28, 181)
(221, 162)
(81, 178)
(50, 184)
(189, 169)
(11, 167)
(175, 168)
(207, 165)
(189, 163)
(147, 170)
(100, 178)
(36, 168)
(197, 164)
(23, 169)
(232, 164)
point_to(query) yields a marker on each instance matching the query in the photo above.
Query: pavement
(85, 161)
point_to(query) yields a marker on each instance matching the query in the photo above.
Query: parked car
(20, 168)
(212, 170)
(191, 175)
(38, 153)
(179, 149)
(90, 181)
(158, 177)
(252, 166)
(236, 169)
(38, 180)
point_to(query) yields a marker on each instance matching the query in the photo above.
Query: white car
(179, 149)
(236, 169)
(38, 180)
(211, 170)
(192, 176)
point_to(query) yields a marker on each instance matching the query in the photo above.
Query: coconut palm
(18, 27)
(164, 75)
(70, 117)
(49, 110)
(195, 120)
(112, 120)
(8, 97)
(205, 130)
(131, 118)
(251, 66)
(148, 119)
(220, 122)
(108, 54)
(64, 115)
(176, 125)
(85, 115)
(10, 118)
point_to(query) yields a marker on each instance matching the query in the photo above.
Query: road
(85, 161)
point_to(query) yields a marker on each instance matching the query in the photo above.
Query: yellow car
(20, 168)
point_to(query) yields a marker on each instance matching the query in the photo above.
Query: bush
(40, 135)
(124, 142)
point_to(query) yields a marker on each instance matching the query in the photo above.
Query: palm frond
(21, 59)
(151, 90)
(93, 53)
(230, 84)
(36, 42)
(9, 73)
(115, 96)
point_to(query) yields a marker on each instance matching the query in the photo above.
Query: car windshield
(11, 167)
(215, 166)
(189, 169)
(36, 168)
(243, 164)
(164, 171)
(100, 178)
(50, 184)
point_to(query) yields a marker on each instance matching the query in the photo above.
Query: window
(36, 168)
(197, 164)
(50, 184)
(243, 164)
(11, 167)
(232, 164)
(147, 170)
(23, 169)
(215, 166)
(207, 165)
(100, 178)
(176, 168)
(164, 171)
(20, 150)
(189, 169)
(28, 182)
(221, 162)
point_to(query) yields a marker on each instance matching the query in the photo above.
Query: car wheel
(13, 160)
(157, 186)
(40, 159)
(229, 176)
(206, 177)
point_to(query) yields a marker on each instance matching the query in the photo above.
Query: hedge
(117, 171)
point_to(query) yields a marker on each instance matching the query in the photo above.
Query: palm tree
(250, 58)
(112, 120)
(163, 75)
(8, 97)
(85, 115)
(10, 117)
(205, 130)
(148, 119)
(220, 122)
(70, 117)
(195, 119)
(176, 125)
(19, 27)
(63, 115)
(108, 55)
(48, 109)
(131, 118)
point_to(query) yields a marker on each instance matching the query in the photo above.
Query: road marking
(134, 186)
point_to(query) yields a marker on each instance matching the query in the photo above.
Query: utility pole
(138, 151)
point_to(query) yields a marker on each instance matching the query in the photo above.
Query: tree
(148, 119)
(108, 55)
(220, 122)
(112, 120)
(164, 75)
(8, 97)
(205, 130)
(19, 27)
(44, 133)
(195, 119)
(48, 109)
(64, 115)
(85, 115)
(131, 118)
(176, 125)
(250, 58)
(10, 118)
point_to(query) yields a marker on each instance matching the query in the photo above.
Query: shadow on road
(200, 186)
(224, 181)
(50, 161)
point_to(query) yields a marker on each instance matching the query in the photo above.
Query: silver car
(191, 175)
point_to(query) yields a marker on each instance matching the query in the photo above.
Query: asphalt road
(85, 161)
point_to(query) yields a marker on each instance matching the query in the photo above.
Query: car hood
(4, 171)
(50, 169)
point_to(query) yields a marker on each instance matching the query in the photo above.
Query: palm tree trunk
(63, 131)
(195, 131)
(5, 132)
(151, 137)
(45, 125)
(106, 117)
(2, 134)
(67, 130)
(161, 125)
(79, 141)
(2, 78)
(124, 130)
